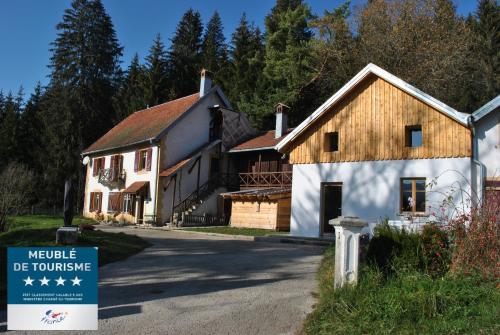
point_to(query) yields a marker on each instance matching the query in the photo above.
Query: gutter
(157, 179)
(475, 158)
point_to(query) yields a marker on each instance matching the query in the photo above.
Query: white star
(60, 281)
(76, 281)
(44, 281)
(28, 281)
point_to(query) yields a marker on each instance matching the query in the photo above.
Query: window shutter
(91, 204)
(120, 200)
(94, 167)
(136, 162)
(148, 159)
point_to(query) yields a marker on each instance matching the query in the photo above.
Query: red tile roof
(264, 140)
(144, 124)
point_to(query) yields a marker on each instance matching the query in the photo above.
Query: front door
(140, 209)
(331, 204)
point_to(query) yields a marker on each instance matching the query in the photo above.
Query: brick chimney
(281, 120)
(205, 82)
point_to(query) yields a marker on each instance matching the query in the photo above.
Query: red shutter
(149, 157)
(94, 167)
(136, 162)
(91, 204)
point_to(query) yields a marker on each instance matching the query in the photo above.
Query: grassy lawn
(41, 231)
(406, 303)
(236, 231)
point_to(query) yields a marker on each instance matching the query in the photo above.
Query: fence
(191, 220)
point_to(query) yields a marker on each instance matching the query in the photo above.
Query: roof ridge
(164, 103)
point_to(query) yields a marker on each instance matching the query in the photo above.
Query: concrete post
(347, 232)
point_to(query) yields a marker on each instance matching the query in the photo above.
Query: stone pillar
(347, 232)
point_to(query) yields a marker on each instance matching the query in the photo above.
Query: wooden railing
(265, 179)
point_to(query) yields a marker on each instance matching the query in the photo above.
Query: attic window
(413, 136)
(332, 142)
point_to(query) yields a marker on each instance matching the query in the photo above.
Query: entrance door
(140, 209)
(331, 195)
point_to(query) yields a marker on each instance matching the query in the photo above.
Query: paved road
(196, 284)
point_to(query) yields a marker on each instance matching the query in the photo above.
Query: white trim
(251, 149)
(486, 109)
(462, 118)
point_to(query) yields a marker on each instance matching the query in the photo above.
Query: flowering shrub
(435, 250)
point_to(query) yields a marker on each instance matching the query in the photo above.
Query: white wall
(488, 141)
(93, 184)
(188, 135)
(370, 190)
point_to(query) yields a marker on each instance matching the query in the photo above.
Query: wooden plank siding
(371, 123)
(273, 215)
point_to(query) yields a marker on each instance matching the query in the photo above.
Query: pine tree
(287, 60)
(156, 74)
(246, 63)
(185, 55)
(9, 129)
(214, 48)
(84, 75)
(131, 96)
(30, 129)
(486, 26)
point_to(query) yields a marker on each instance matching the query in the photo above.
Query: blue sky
(27, 27)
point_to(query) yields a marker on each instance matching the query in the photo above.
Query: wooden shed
(265, 208)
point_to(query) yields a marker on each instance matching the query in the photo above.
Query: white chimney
(205, 82)
(281, 120)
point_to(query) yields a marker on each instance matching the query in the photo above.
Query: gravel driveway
(196, 284)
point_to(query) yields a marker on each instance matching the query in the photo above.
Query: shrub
(391, 249)
(436, 253)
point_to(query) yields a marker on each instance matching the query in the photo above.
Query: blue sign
(52, 288)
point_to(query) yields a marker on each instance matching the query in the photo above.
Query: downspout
(475, 159)
(158, 159)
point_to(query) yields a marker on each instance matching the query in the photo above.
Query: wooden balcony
(265, 179)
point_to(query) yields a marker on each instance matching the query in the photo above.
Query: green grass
(405, 303)
(35, 230)
(235, 231)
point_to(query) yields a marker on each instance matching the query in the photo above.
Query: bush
(436, 253)
(391, 249)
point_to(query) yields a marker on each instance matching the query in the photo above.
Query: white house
(163, 159)
(372, 151)
(485, 123)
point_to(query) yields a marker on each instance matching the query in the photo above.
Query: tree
(9, 128)
(484, 66)
(185, 55)
(244, 74)
(214, 48)
(131, 95)
(16, 185)
(334, 57)
(287, 60)
(156, 74)
(84, 76)
(423, 42)
(30, 128)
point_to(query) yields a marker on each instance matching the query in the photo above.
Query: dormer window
(331, 142)
(413, 136)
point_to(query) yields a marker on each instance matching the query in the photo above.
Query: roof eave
(251, 149)
(487, 108)
(150, 140)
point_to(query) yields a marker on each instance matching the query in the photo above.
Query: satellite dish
(86, 160)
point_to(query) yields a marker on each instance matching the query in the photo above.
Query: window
(128, 204)
(331, 142)
(413, 195)
(143, 160)
(116, 167)
(413, 136)
(98, 165)
(95, 201)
